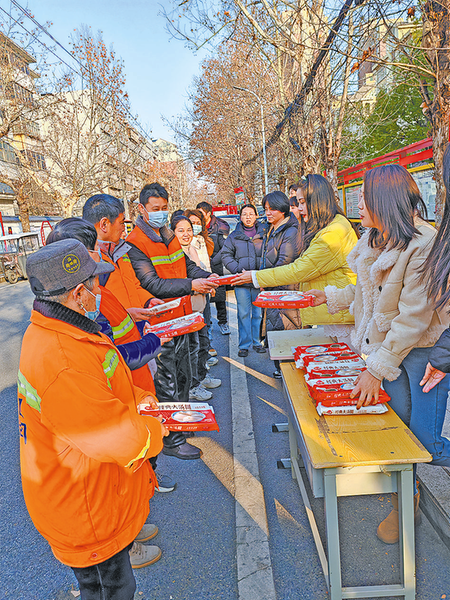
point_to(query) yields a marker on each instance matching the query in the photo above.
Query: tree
(90, 146)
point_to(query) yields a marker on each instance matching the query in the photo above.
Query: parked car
(232, 221)
(14, 250)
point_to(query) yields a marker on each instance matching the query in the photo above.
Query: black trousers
(173, 379)
(112, 579)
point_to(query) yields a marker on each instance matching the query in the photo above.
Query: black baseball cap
(61, 266)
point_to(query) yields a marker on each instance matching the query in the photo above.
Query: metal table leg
(406, 532)
(332, 528)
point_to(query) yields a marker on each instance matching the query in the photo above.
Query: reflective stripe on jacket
(83, 447)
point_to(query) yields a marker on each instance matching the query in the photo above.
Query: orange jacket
(124, 284)
(168, 261)
(83, 447)
(124, 330)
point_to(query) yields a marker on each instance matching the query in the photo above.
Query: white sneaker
(211, 383)
(212, 361)
(199, 393)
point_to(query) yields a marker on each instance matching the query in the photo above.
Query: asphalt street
(203, 522)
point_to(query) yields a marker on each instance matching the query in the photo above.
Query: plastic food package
(283, 299)
(378, 409)
(224, 279)
(183, 416)
(328, 358)
(180, 326)
(302, 351)
(161, 313)
(337, 393)
(334, 368)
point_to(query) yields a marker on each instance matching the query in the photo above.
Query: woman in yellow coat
(327, 239)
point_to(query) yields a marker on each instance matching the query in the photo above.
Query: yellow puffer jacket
(323, 263)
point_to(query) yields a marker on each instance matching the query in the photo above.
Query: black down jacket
(282, 245)
(440, 353)
(242, 253)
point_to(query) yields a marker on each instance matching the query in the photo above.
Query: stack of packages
(331, 371)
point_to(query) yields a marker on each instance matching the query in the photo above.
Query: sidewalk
(435, 493)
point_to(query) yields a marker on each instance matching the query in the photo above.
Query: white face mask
(197, 229)
(158, 218)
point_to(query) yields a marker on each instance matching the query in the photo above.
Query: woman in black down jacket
(241, 252)
(282, 246)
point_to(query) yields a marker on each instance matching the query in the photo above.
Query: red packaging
(302, 351)
(180, 326)
(328, 358)
(164, 312)
(335, 391)
(334, 368)
(283, 299)
(180, 416)
(224, 279)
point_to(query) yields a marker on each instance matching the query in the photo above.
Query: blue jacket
(242, 253)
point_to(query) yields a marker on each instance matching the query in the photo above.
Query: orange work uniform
(83, 446)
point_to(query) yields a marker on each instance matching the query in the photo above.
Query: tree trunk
(24, 212)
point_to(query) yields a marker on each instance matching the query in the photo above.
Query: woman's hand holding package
(431, 378)
(242, 278)
(319, 297)
(368, 388)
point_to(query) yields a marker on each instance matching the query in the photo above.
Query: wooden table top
(350, 440)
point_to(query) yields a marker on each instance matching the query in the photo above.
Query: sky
(159, 69)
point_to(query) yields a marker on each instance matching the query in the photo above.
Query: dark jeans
(112, 579)
(221, 308)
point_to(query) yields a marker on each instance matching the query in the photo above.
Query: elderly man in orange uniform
(84, 447)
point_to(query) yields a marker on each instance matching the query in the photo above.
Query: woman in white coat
(396, 323)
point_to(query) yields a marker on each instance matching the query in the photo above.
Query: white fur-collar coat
(392, 312)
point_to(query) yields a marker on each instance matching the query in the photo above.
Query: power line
(42, 28)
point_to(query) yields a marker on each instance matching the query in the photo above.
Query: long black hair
(321, 205)
(393, 199)
(436, 268)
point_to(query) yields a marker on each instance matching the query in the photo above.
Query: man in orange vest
(165, 271)
(83, 446)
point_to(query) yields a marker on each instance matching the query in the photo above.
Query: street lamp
(266, 182)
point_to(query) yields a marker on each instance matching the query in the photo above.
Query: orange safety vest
(169, 263)
(124, 330)
(83, 446)
(124, 284)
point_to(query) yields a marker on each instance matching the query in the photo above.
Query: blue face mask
(93, 314)
(157, 219)
(197, 229)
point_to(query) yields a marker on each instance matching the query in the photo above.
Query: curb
(435, 498)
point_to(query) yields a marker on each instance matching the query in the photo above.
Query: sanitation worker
(83, 446)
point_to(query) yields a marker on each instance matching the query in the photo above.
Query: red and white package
(300, 351)
(334, 368)
(378, 409)
(335, 391)
(283, 299)
(180, 326)
(328, 358)
(183, 416)
(164, 312)
(224, 279)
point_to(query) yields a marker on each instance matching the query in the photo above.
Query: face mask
(93, 314)
(157, 219)
(197, 229)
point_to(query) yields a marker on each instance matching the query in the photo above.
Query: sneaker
(199, 393)
(259, 349)
(184, 452)
(147, 532)
(224, 329)
(211, 383)
(142, 556)
(277, 374)
(212, 352)
(165, 483)
(212, 361)
(243, 353)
